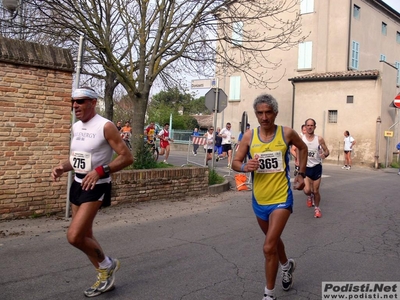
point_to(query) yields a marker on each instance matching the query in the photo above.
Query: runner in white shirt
(94, 140)
(317, 151)
(227, 139)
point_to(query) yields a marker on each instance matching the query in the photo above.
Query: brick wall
(35, 89)
(35, 116)
(159, 184)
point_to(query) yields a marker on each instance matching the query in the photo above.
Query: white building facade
(344, 75)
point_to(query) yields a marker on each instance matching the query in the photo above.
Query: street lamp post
(12, 6)
(16, 9)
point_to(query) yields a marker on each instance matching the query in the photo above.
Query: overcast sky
(394, 4)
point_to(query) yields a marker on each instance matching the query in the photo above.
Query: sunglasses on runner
(79, 101)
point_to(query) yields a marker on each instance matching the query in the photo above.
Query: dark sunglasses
(78, 101)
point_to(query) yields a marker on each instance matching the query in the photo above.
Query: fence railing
(183, 136)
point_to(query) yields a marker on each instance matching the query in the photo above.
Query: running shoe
(348, 168)
(317, 213)
(309, 201)
(344, 167)
(398, 173)
(287, 275)
(105, 279)
(229, 166)
(165, 162)
(268, 297)
(217, 158)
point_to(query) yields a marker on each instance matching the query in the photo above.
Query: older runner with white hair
(94, 140)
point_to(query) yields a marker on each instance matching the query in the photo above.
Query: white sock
(270, 292)
(106, 263)
(285, 266)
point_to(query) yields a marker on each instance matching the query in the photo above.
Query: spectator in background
(150, 133)
(195, 146)
(349, 142)
(398, 152)
(218, 142)
(241, 136)
(119, 126)
(126, 133)
(126, 128)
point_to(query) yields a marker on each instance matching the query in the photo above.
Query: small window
(234, 88)
(305, 56)
(356, 12)
(383, 57)
(332, 116)
(306, 6)
(237, 33)
(397, 65)
(384, 28)
(398, 37)
(350, 99)
(355, 52)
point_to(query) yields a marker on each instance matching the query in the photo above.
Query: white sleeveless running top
(313, 151)
(89, 148)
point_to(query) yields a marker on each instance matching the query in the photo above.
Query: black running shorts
(226, 147)
(101, 192)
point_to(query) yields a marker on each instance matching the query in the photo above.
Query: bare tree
(138, 41)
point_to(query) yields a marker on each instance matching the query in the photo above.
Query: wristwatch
(302, 174)
(106, 169)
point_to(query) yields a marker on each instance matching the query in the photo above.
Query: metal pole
(215, 122)
(21, 20)
(76, 85)
(170, 125)
(378, 136)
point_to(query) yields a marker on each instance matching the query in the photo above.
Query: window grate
(332, 116)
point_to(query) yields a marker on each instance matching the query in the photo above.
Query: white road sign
(203, 83)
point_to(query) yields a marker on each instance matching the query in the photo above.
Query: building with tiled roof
(345, 75)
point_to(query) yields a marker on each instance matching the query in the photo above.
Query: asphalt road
(211, 247)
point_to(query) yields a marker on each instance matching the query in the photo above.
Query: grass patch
(214, 178)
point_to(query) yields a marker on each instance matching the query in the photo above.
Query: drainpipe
(349, 36)
(378, 137)
(293, 98)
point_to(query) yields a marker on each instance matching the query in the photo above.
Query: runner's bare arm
(124, 157)
(321, 141)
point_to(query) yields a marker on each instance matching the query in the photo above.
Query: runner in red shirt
(163, 135)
